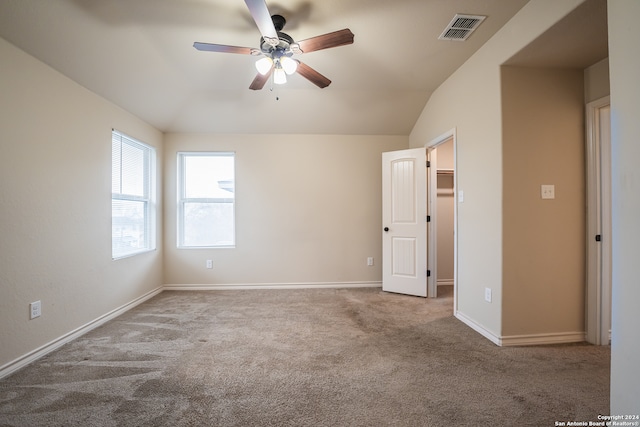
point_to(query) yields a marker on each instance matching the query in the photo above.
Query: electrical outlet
(487, 294)
(35, 309)
(209, 263)
(370, 261)
(548, 191)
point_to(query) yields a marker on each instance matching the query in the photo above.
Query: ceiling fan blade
(312, 75)
(262, 17)
(326, 41)
(260, 80)
(210, 47)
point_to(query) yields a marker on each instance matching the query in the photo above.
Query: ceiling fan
(277, 48)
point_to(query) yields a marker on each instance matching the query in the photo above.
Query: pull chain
(274, 88)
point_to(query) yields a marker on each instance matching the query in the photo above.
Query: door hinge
(428, 218)
(428, 164)
(428, 273)
(598, 238)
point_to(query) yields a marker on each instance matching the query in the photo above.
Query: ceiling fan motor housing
(283, 48)
(285, 42)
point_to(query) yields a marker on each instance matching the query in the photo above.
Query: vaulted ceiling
(139, 54)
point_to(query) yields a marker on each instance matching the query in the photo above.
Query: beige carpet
(321, 357)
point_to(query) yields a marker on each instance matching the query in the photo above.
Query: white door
(598, 298)
(404, 213)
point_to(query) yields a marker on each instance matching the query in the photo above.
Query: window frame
(147, 199)
(182, 200)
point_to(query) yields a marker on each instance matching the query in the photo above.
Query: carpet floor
(308, 357)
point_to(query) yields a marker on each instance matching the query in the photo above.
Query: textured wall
(470, 102)
(624, 34)
(543, 239)
(55, 206)
(308, 210)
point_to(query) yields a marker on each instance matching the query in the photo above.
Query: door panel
(404, 245)
(404, 256)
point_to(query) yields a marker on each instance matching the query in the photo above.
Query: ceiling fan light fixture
(263, 65)
(276, 48)
(289, 65)
(279, 76)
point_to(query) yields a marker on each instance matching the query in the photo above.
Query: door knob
(386, 229)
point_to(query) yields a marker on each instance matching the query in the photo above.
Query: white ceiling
(139, 55)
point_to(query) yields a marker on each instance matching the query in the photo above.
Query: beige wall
(470, 102)
(55, 206)
(308, 210)
(624, 35)
(596, 81)
(543, 240)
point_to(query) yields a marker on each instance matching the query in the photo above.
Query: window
(206, 200)
(132, 166)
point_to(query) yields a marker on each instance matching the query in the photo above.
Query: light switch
(548, 191)
(460, 196)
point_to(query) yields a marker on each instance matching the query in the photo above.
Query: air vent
(461, 27)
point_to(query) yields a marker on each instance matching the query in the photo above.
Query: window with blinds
(206, 200)
(132, 215)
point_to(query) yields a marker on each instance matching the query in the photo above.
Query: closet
(445, 224)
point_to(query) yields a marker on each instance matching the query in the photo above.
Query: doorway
(599, 277)
(441, 246)
(410, 218)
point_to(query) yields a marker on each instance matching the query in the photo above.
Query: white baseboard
(298, 285)
(28, 358)
(478, 328)
(444, 282)
(521, 340)
(540, 339)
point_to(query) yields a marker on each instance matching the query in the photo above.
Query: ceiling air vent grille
(461, 27)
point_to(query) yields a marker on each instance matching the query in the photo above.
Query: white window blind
(132, 164)
(206, 199)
